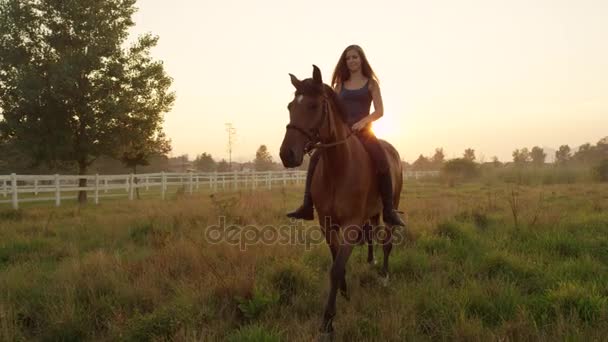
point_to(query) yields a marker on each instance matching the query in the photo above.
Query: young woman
(357, 86)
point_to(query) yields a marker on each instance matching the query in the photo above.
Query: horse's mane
(310, 88)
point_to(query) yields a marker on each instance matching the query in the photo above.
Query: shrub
(600, 172)
(459, 169)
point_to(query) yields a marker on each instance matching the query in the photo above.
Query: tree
(438, 158)
(588, 154)
(205, 163)
(459, 169)
(562, 155)
(522, 156)
(496, 162)
(469, 154)
(538, 156)
(263, 159)
(223, 166)
(422, 164)
(600, 171)
(139, 151)
(70, 92)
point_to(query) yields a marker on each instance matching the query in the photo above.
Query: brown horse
(344, 189)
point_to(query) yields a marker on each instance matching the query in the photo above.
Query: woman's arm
(337, 89)
(378, 107)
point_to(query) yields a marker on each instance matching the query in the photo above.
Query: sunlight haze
(490, 75)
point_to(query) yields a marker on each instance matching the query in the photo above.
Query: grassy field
(479, 261)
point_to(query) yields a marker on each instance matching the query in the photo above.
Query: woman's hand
(359, 125)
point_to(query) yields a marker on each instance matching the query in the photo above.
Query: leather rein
(314, 136)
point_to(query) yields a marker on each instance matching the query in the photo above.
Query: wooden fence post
(131, 186)
(57, 191)
(163, 184)
(14, 191)
(96, 194)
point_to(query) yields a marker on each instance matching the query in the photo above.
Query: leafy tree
(496, 162)
(600, 171)
(562, 155)
(469, 154)
(205, 163)
(69, 89)
(538, 156)
(422, 164)
(459, 169)
(438, 158)
(263, 159)
(589, 155)
(522, 156)
(139, 151)
(223, 166)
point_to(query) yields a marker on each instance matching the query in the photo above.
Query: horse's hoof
(385, 281)
(327, 336)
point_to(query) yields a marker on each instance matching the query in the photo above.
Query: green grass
(143, 270)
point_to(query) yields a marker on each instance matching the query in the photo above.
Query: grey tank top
(357, 103)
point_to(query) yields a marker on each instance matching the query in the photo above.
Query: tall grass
(466, 270)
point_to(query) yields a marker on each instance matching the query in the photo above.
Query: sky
(492, 75)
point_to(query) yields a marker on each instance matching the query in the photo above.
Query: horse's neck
(337, 158)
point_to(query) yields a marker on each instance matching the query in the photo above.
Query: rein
(314, 136)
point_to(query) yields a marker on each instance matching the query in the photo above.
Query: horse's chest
(339, 203)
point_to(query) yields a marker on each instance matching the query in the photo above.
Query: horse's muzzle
(290, 158)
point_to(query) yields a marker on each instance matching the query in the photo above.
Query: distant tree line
(586, 155)
(594, 157)
(263, 161)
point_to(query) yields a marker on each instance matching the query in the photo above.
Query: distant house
(180, 165)
(246, 167)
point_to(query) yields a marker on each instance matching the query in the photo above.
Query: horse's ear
(295, 81)
(316, 74)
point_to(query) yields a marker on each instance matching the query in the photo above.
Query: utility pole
(231, 137)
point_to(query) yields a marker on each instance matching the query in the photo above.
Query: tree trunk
(82, 182)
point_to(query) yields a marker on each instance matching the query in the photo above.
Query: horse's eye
(313, 106)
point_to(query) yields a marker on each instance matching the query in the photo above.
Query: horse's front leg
(332, 237)
(337, 274)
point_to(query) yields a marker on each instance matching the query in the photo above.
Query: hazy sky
(486, 74)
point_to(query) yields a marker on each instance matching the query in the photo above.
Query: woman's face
(353, 60)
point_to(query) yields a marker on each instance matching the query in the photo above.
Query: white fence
(26, 188)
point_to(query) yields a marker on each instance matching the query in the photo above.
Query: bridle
(314, 136)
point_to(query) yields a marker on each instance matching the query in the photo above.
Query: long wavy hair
(341, 72)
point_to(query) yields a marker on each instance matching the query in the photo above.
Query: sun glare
(383, 128)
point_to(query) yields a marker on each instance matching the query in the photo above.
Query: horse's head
(307, 114)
